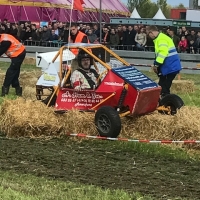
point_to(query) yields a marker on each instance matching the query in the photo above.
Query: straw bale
(29, 61)
(29, 78)
(182, 86)
(79, 122)
(29, 93)
(182, 126)
(22, 117)
(25, 118)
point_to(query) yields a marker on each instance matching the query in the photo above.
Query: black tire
(108, 122)
(172, 100)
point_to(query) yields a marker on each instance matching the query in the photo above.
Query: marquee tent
(48, 10)
(159, 15)
(135, 14)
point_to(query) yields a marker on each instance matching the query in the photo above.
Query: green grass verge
(25, 67)
(27, 187)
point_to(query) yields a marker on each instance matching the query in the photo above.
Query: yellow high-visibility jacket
(167, 57)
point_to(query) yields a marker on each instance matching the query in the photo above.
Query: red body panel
(147, 101)
(138, 101)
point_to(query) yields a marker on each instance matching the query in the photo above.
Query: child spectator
(182, 46)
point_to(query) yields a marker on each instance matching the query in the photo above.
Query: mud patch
(103, 164)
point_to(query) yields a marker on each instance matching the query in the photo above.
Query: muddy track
(100, 163)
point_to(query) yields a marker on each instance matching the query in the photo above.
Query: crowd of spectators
(131, 37)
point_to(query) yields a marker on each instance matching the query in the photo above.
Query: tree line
(148, 9)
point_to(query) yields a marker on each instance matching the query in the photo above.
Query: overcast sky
(170, 2)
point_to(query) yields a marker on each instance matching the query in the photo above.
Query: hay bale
(29, 78)
(182, 86)
(29, 93)
(182, 126)
(25, 118)
(29, 61)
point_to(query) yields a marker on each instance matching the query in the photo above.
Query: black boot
(18, 91)
(4, 91)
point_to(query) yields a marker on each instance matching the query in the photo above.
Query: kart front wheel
(108, 122)
(173, 102)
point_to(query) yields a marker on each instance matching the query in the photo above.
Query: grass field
(72, 169)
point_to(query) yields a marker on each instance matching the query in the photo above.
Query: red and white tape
(133, 140)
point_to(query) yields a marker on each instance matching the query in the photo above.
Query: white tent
(159, 15)
(135, 14)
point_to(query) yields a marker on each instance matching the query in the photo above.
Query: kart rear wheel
(108, 122)
(172, 101)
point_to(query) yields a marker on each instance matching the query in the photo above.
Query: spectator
(105, 36)
(57, 31)
(124, 38)
(39, 33)
(183, 45)
(28, 36)
(3, 28)
(192, 47)
(22, 32)
(50, 27)
(65, 34)
(120, 34)
(175, 38)
(91, 36)
(34, 36)
(141, 39)
(192, 36)
(96, 31)
(14, 31)
(114, 38)
(61, 29)
(184, 32)
(130, 37)
(198, 40)
(8, 27)
(45, 36)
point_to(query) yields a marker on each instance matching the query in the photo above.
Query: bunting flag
(78, 5)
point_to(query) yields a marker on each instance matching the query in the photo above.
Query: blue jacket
(167, 57)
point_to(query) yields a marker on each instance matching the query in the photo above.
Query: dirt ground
(103, 164)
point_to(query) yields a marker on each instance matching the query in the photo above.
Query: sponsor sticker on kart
(135, 78)
(69, 99)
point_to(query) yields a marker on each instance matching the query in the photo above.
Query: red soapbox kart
(123, 89)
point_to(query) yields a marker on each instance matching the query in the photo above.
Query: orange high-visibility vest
(78, 39)
(15, 48)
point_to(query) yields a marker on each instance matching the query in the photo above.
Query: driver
(84, 78)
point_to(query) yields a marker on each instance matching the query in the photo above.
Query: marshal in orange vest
(15, 49)
(78, 39)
